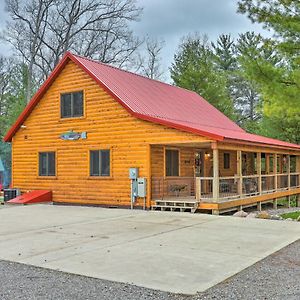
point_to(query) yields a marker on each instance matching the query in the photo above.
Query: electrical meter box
(133, 173)
(142, 187)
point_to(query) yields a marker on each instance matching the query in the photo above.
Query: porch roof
(153, 101)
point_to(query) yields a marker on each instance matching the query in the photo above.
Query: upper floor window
(71, 105)
(47, 164)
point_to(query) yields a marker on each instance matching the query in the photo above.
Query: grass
(284, 202)
(292, 215)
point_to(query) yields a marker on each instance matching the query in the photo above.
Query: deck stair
(182, 205)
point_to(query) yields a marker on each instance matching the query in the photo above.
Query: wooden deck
(180, 203)
(237, 204)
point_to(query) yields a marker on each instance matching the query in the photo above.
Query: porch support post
(258, 157)
(198, 189)
(298, 169)
(275, 203)
(298, 200)
(149, 181)
(288, 164)
(275, 171)
(259, 206)
(215, 172)
(267, 169)
(239, 172)
(267, 163)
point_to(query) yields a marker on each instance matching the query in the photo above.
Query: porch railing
(234, 187)
(295, 180)
(250, 185)
(228, 187)
(169, 187)
(282, 181)
(245, 186)
(267, 183)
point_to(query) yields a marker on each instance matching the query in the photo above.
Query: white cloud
(172, 19)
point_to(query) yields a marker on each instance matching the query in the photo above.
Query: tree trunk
(29, 82)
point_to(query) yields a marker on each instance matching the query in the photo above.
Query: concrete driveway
(176, 252)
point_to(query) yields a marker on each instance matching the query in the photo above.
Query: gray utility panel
(142, 187)
(133, 173)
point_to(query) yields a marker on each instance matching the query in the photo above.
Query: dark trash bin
(10, 194)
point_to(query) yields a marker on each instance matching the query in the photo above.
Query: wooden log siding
(108, 125)
(208, 167)
(186, 160)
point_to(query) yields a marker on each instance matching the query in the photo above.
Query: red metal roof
(153, 101)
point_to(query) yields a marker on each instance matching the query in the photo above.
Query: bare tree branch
(150, 63)
(41, 31)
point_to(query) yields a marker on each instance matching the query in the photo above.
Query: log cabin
(92, 129)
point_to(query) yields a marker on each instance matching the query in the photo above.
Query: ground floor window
(172, 162)
(100, 162)
(47, 164)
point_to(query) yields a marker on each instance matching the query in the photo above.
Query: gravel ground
(281, 211)
(275, 277)
(269, 209)
(20, 281)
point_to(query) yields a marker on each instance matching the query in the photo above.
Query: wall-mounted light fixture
(207, 155)
(284, 158)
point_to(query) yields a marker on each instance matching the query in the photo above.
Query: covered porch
(221, 176)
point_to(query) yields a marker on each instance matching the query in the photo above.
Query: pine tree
(194, 68)
(276, 69)
(243, 91)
